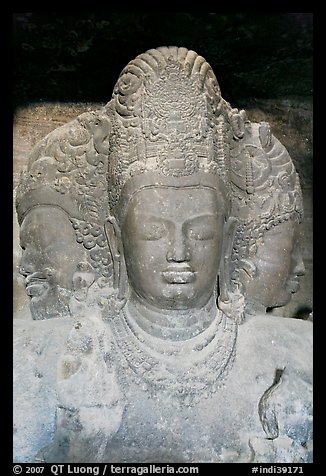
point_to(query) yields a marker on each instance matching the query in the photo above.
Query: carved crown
(67, 169)
(168, 117)
(264, 181)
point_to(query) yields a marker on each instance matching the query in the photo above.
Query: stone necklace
(191, 369)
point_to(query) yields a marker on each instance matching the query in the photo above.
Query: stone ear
(231, 300)
(113, 235)
(228, 238)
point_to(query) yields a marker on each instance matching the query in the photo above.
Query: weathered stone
(156, 358)
(37, 347)
(268, 205)
(32, 123)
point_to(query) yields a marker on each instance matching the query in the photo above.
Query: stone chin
(293, 285)
(282, 300)
(182, 297)
(37, 290)
(52, 302)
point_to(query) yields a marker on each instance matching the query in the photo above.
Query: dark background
(78, 57)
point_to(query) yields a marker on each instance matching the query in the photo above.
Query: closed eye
(152, 231)
(201, 228)
(201, 233)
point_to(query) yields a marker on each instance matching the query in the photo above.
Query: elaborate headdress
(264, 180)
(67, 169)
(170, 125)
(169, 119)
(265, 186)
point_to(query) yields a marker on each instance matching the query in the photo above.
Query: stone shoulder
(30, 331)
(278, 342)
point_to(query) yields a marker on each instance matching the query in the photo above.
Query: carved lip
(36, 284)
(179, 274)
(293, 285)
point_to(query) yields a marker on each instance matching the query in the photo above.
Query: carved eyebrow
(204, 215)
(149, 215)
(166, 220)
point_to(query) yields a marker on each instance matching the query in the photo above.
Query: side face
(172, 241)
(278, 264)
(49, 259)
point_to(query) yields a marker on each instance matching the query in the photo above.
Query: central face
(172, 240)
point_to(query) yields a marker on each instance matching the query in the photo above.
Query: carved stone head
(60, 206)
(46, 264)
(170, 168)
(268, 204)
(168, 181)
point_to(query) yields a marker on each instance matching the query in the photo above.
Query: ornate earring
(231, 300)
(118, 298)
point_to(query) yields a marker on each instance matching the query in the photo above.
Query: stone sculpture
(61, 204)
(169, 370)
(268, 204)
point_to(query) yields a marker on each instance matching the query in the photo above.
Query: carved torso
(164, 420)
(219, 426)
(244, 415)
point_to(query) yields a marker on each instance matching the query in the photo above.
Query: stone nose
(178, 250)
(299, 267)
(24, 271)
(297, 260)
(26, 264)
